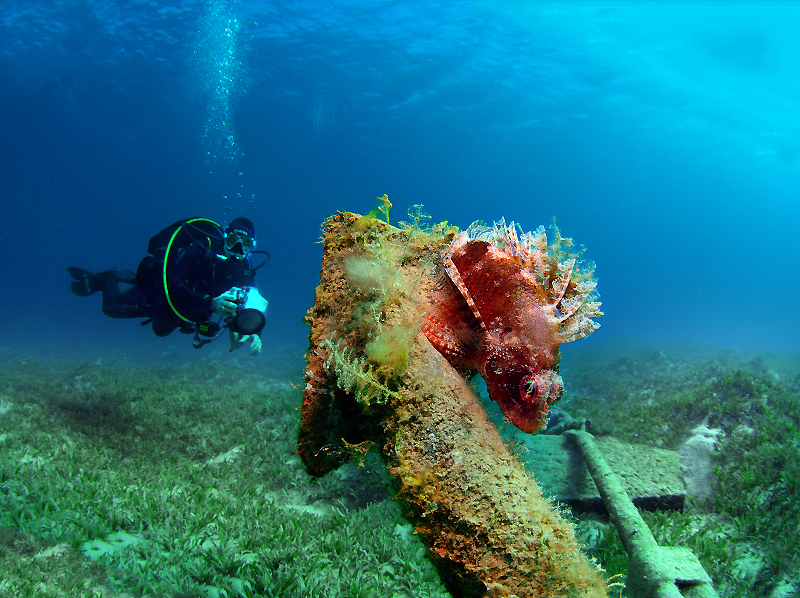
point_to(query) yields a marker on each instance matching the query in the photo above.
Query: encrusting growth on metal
(483, 518)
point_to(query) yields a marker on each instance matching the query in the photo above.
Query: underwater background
(664, 137)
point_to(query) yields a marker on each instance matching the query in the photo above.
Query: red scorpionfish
(506, 304)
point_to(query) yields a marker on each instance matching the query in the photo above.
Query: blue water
(662, 136)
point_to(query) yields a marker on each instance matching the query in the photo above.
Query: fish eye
(527, 388)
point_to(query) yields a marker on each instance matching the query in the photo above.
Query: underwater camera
(251, 315)
(251, 311)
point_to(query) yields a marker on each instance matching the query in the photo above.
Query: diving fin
(86, 283)
(82, 285)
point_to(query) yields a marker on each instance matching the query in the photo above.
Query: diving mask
(239, 242)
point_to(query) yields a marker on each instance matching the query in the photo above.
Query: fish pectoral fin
(455, 276)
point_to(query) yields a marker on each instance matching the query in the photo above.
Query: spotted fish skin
(503, 309)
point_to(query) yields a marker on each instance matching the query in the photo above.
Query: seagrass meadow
(178, 481)
(183, 481)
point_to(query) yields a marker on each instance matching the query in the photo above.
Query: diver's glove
(225, 304)
(238, 340)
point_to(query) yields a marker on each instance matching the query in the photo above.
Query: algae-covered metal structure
(380, 373)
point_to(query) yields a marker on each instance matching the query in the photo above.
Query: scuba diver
(195, 270)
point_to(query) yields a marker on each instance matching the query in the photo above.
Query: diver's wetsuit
(196, 275)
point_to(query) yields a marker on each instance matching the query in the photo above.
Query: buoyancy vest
(166, 246)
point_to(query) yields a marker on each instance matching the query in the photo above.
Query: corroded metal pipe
(374, 378)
